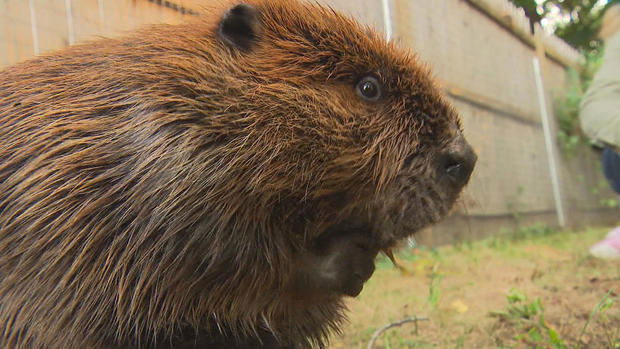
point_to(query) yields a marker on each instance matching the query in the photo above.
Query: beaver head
(363, 137)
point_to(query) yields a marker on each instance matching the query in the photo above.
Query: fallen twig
(378, 332)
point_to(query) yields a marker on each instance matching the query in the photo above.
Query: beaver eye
(369, 88)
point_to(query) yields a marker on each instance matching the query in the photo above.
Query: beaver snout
(456, 165)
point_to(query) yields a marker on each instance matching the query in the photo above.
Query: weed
(533, 231)
(434, 289)
(529, 317)
(460, 342)
(514, 205)
(609, 203)
(518, 308)
(521, 233)
(461, 246)
(601, 308)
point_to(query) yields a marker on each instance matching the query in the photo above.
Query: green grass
(542, 281)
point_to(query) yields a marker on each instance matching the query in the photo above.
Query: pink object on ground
(609, 248)
(614, 232)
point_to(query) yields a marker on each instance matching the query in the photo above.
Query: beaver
(220, 183)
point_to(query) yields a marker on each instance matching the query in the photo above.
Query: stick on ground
(378, 332)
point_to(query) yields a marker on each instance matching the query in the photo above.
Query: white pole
(387, 19)
(70, 27)
(553, 168)
(101, 15)
(33, 27)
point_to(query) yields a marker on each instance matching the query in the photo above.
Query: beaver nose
(458, 163)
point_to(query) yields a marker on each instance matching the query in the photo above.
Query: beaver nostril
(457, 167)
(454, 169)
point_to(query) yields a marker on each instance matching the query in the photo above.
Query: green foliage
(579, 27)
(581, 19)
(515, 206)
(600, 310)
(508, 237)
(518, 308)
(584, 23)
(529, 317)
(532, 231)
(434, 289)
(609, 203)
(566, 104)
(567, 113)
(532, 10)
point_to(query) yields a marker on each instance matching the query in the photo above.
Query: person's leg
(609, 248)
(611, 168)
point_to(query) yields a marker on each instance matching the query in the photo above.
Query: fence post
(387, 19)
(70, 26)
(101, 10)
(34, 28)
(545, 115)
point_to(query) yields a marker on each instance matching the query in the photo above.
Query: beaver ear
(239, 26)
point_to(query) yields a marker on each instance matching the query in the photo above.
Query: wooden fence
(482, 52)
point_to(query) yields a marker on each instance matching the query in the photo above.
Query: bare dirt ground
(532, 289)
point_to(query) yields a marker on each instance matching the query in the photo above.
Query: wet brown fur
(165, 180)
